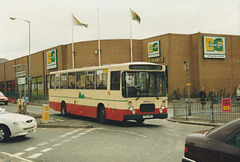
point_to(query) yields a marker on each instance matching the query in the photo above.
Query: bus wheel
(140, 121)
(101, 115)
(63, 109)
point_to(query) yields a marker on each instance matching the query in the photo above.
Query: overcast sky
(51, 21)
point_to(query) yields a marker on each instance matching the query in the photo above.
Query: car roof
(225, 130)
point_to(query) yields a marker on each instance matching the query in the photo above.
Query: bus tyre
(140, 121)
(4, 133)
(63, 109)
(101, 114)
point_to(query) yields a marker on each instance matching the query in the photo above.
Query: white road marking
(20, 158)
(34, 156)
(30, 149)
(63, 136)
(54, 139)
(46, 150)
(80, 134)
(41, 144)
(67, 140)
(18, 154)
(58, 144)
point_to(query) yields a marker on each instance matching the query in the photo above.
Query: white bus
(129, 91)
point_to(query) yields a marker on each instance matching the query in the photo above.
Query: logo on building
(52, 59)
(214, 47)
(154, 49)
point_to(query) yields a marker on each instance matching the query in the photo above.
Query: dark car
(220, 144)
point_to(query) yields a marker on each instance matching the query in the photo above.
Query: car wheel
(63, 109)
(6, 103)
(101, 114)
(4, 133)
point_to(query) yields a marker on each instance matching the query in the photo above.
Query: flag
(135, 16)
(76, 22)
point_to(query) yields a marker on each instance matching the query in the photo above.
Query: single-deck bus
(128, 91)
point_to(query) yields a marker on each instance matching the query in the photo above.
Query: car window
(235, 140)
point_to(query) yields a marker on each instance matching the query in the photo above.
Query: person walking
(202, 97)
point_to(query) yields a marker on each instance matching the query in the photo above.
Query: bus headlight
(130, 107)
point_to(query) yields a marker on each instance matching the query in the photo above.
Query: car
(238, 93)
(13, 125)
(219, 144)
(3, 98)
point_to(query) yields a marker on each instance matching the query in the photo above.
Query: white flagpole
(99, 48)
(72, 45)
(131, 35)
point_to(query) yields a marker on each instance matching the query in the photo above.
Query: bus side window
(115, 80)
(52, 81)
(102, 79)
(57, 82)
(63, 81)
(71, 80)
(90, 82)
(80, 83)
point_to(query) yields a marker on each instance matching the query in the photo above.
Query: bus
(121, 92)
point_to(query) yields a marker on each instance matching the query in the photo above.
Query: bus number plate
(147, 116)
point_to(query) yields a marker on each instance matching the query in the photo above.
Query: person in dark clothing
(212, 95)
(202, 97)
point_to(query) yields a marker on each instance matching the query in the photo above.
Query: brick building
(213, 61)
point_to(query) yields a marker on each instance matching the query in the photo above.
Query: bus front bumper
(145, 116)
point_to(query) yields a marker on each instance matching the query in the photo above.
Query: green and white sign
(214, 47)
(154, 49)
(52, 59)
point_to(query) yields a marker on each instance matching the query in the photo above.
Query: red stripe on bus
(89, 111)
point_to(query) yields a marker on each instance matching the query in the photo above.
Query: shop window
(10, 86)
(64, 81)
(2, 87)
(90, 80)
(102, 79)
(72, 80)
(37, 86)
(80, 80)
(115, 80)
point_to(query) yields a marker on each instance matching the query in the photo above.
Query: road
(155, 140)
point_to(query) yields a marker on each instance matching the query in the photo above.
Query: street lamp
(29, 60)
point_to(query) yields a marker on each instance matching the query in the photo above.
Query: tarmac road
(155, 140)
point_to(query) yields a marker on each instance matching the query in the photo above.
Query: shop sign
(154, 49)
(52, 59)
(156, 60)
(226, 104)
(20, 74)
(214, 47)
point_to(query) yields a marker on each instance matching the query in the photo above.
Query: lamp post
(29, 59)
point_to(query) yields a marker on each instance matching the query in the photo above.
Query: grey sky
(51, 21)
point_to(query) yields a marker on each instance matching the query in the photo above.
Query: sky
(51, 21)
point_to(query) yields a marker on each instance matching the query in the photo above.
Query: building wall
(175, 48)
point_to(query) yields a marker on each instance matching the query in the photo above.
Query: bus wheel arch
(101, 113)
(63, 108)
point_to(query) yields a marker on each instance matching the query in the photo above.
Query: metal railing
(211, 111)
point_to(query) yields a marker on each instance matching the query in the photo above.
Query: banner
(154, 49)
(214, 47)
(52, 59)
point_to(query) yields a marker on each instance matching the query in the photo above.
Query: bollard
(18, 106)
(45, 113)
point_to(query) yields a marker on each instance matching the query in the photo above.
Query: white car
(12, 125)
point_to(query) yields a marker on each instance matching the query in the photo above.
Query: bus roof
(105, 66)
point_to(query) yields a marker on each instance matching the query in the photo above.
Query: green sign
(214, 47)
(154, 49)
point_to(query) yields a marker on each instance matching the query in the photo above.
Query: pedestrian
(212, 95)
(202, 97)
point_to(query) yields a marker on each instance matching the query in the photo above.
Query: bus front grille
(147, 107)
